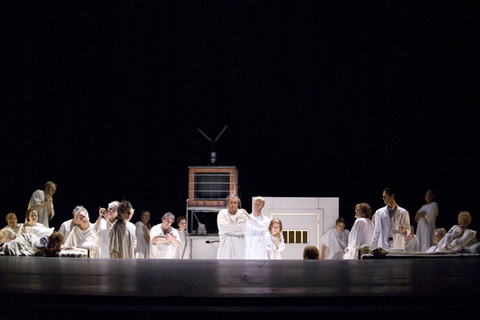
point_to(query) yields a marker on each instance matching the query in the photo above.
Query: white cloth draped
(102, 236)
(143, 247)
(466, 239)
(385, 228)
(361, 234)
(82, 238)
(122, 239)
(257, 229)
(183, 251)
(271, 246)
(413, 244)
(426, 226)
(231, 231)
(336, 242)
(65, 229)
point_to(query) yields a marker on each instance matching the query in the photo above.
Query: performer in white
(391, 224)
(336, 240)
(183, 251)
(83, 235)
(426, 218)
(12, 221)
(232, 224)
(143, 228)
(437, 237)
(68, 225)
(411, 241)
(42, 202)
(104, 223)
(121, 238)
(164, 239)
(274, 240)
(459, 236)
(362, 231)
(257, 229)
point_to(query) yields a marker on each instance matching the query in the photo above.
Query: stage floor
(284, 288)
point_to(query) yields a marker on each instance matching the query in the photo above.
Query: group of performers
(241, 235)
(390, 230)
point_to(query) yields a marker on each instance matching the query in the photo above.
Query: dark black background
(322, 100)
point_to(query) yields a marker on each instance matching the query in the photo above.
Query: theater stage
(41, 288)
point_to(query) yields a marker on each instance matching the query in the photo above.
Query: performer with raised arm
(232, 224)
(42, 202)
(122, 240)
(106, 218)
(257, 229)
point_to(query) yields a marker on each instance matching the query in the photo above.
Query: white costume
(387, 232)
(162, 250)
(257, 229)
(466, 239)
(39, 230)
(271, 246)
(102, 235)
(38, 197)
(361, 234)
(183, 251)
(143, 247)
(82, 238)
(231, 230)
(336, 242)
(122, 239)
(412, 244)
(426, 226)
(66, 228)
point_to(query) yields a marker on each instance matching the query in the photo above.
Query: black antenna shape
(213, 155)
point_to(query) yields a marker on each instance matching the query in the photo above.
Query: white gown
(257, 229)
(143, 247)
(384, 227)
(162, 250)
(183, 251)
(82, 238)
(413, 244)
(361, 234)
(65, 229)
(271, 246)
(122, 239)
(426, 226)
(468, 238)
(231, 230)
(336, 242)
(37, 198)
(102, 236)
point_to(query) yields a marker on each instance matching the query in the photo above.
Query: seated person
(437, 237)
(362, 230)
(411, 241)
(83, 235)
(68, 225)
(31, 226)
(311, 253)
(336, 240)
(12, 221)
(459, 236)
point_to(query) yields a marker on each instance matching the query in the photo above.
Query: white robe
(82, 238)
(143, 247)
(384, 227)
(162, 250)
(468, 238)
(336, 242)
(65, 229)
(361, 234)
(257, 229)
(102, 236)
(426, 226)
(122, 239)
(39, 230)
(412, 244)
(231, 230)
(271, 246)
(38, 197)
(183, 251)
